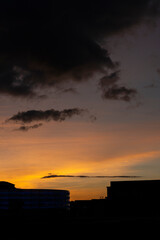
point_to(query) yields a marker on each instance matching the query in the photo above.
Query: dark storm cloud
(25, 128)
(15, 81)
(48, 115)
(48, 43)
(86, 176)
(111, 89)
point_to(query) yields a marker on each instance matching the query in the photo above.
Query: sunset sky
(79, 93)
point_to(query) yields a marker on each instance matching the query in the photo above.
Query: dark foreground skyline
(132, 194)
(130, 205)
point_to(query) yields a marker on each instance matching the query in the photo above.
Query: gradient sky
(115, 130)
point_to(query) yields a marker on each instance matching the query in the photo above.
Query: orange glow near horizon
(77, 149)
(79, 188)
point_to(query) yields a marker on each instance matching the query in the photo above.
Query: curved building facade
(14, 198)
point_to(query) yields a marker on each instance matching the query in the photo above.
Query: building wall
(135, 190)
(128, 198)
(34, 199)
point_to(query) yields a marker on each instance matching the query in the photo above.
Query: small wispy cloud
(111, 89)
(25, 128)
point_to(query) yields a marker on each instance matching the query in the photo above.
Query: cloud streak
(86, 176)
(28, 117)
(48, 115)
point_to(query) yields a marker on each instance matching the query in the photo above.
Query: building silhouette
(124, 199)
(143, 190)
(134, 198)
(28, 199)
